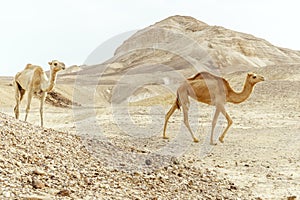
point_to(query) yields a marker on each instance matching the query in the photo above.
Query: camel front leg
(16, 110)
(17, 97)
(214, 122)
(43, 97)
(30, 94)
(167, 117)
(185, 110)
(229, 123)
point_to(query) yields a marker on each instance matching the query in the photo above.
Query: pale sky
(35, 31)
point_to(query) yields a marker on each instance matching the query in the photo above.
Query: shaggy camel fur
(212, 90)
(34, 80)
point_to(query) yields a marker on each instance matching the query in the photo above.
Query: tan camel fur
(34, 80)
(212, 90)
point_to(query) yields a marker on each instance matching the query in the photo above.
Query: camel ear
(50, 63)
(250, 74)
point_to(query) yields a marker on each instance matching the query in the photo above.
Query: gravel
(38, 163)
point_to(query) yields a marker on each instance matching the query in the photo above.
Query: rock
(292, 197)
(76, 174)
(37, 184)
(6, 194)
(88, 181)
(64, 193)
(36, 197)
(148, 162)
(39, 172)
(175, 161)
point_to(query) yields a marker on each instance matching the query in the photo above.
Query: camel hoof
(213, 143)
(165, 137)
(196, 140)
(221, 140)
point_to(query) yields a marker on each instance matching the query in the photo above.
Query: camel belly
(205, 100)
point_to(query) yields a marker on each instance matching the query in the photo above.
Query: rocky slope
(178, 38)
(165, 53)
(38, 163)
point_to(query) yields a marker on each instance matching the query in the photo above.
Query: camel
(34, 80)
(212, 90)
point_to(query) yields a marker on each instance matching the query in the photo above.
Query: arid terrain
(103, 124)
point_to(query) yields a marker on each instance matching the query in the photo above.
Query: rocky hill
(37, 163)
(179, 38)
(167, 52)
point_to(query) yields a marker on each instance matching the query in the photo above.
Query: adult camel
(212, 90)
(34, 80)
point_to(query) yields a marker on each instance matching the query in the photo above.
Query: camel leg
(22, 92)
(214, 122)
(167, 117)
(30, 94)
(19, 93)
(17, 97)
(185, 109)
(229, 121)
(43, 97)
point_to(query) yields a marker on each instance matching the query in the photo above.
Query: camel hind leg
(167, 117)
(183, 97)
(19, 93)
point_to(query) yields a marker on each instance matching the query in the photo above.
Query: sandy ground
(261, 153)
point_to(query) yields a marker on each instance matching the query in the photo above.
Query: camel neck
(51, 83)
(238, 97)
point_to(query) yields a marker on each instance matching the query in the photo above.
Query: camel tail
(16, 83)
(19, 86)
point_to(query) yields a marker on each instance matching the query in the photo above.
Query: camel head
(254, 78)
(56, 66)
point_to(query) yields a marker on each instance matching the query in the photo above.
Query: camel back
(203, 75)
(207, 76)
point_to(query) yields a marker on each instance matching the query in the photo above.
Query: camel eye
(254, 77)
(55, 64)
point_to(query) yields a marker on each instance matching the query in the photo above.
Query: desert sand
(259, 158)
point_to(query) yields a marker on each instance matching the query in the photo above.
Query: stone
(37, 184)
(6, 194)
(36, 197)
(39, 172)
(64, 193)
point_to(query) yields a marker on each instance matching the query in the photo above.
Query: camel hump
(38, 71)
(33, 67)
(203, 75)
(17, 75)
(28, 66)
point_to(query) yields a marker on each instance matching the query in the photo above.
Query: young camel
(34, 80)
(212, 90)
